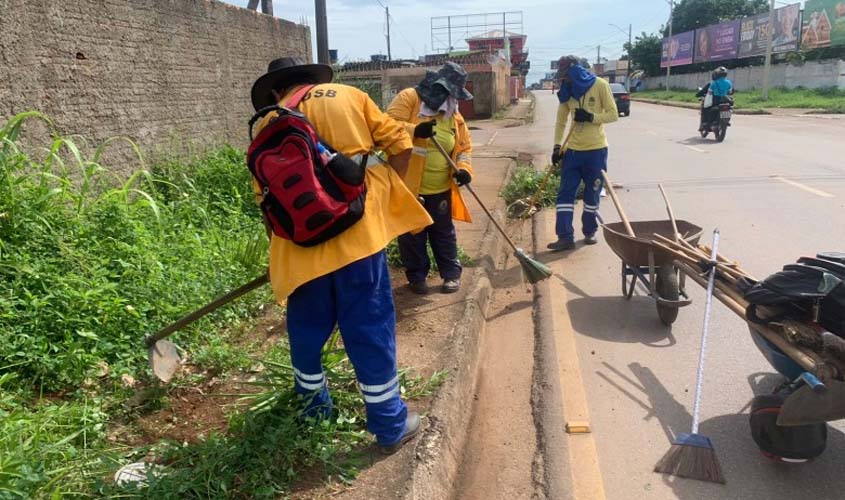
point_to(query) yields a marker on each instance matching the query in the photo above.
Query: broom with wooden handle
(534, 271)
(692, 455)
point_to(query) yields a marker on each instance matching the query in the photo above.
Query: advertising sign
(719, 42)
(824, 24)
(678, 49)
(754, 32)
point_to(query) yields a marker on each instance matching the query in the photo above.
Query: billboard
(678, 50)
(754, 32)
(824, 24)
(719, 42)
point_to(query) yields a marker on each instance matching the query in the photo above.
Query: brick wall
(163, 72)
(489, 83)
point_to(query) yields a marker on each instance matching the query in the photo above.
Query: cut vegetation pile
(88, 266)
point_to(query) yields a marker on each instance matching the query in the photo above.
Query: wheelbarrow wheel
(668, 288)
(628, 288)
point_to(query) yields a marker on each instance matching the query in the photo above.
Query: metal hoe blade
(805, 407)
(164, 360)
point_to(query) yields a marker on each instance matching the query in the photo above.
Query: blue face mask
(580, 81)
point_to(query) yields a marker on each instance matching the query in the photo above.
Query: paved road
(776, 190)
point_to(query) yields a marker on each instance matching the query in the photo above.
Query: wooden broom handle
(618, 205)
(671, 213)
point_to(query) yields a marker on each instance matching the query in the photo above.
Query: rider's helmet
(720, 72)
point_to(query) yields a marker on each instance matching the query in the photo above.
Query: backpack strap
(297, 98)
(293, 103)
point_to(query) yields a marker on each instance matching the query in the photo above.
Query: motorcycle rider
(721, 88)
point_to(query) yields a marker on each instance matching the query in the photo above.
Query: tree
(692, 14)
(645, 52)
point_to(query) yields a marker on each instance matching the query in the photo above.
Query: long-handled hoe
(163, 354)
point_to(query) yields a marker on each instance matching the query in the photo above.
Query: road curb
(439, 451)
(552, 465)
(690, 105)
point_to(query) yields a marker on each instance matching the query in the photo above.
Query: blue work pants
(442, 237)
(580, 166)
(358, 299)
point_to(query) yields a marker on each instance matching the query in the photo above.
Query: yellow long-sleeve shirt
(588, 136)
(349, 121)
(405, 108)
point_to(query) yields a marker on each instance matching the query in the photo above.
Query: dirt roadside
(435, 333)
(442, 332)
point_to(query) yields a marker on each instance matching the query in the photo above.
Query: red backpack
(311, 193)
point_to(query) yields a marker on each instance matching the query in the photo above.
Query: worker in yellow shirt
(430, 110)
(344, 281)
(589, 101)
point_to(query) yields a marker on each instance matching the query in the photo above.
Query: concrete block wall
(490, 84)
(162, 72)
(813, 74)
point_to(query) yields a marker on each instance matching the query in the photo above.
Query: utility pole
(387, 19)
(449, 23)
(322, 32)
(505, 48)
(669, 52)
(630, 45)
(598, 55)
(768, 69)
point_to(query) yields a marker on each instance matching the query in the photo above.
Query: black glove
(425, 130)
(463, 177)
(583, 116)
(556, 154)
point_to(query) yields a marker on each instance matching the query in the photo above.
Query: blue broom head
(685, 439)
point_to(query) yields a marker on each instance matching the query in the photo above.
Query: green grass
(268, 447)
(395, 259)
(830, 100)
(525, 182)
(88, 267)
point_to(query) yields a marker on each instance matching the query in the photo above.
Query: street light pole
(669, 53)
(768, 69)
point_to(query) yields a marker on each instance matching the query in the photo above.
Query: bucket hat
(454, 78)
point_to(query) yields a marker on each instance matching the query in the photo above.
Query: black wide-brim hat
(454, 78)
(284, 70)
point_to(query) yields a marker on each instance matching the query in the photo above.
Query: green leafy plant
(395, 259)
(268, 446)
(525, 182)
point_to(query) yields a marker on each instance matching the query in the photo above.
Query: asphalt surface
(776, 190)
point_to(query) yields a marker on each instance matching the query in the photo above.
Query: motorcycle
(719, 119)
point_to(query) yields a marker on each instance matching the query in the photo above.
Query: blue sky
(554, 28)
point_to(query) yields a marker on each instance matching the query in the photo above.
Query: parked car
(622, 97)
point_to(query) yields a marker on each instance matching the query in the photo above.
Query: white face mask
(448, 108)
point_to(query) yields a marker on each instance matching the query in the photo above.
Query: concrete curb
(439, 451)
(552, 465)
(690, 105)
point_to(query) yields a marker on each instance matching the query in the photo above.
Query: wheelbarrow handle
(618, 204)
(213, 306)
